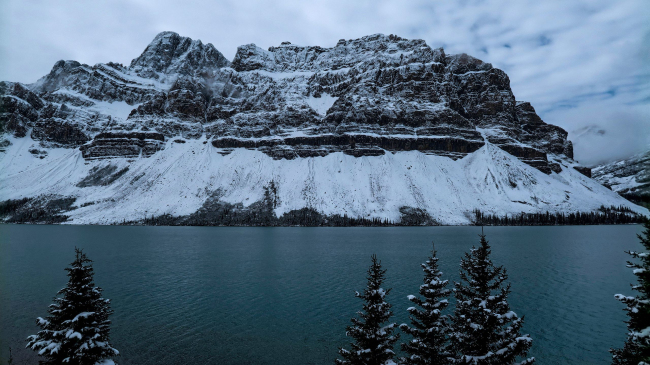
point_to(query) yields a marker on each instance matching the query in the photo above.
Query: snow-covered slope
(372, 128)
(630, 177)
(181, 177)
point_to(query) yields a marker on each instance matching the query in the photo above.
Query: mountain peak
(166, 35)
(388, 127)
(169, 52)
(385, 49)
(57, 76)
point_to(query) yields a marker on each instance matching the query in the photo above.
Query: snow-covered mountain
(379, 127)
(630, 177)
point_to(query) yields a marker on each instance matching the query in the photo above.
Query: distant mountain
(380, 127)
(630, 177)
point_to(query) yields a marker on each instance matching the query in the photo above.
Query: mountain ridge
(370, 98)
(628, 177)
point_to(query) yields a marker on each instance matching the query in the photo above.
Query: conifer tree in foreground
(429, 326)
(373, 341)
(484, 330)
(637, 346)
(77, 330)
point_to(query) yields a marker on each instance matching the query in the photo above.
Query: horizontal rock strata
(363, 97)
(135, 144)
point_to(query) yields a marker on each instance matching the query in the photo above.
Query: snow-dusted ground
(178, 179)
(116, 109)
(626, 176)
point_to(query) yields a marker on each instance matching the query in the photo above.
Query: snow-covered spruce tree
(484, 331)
(637, 346)
(77, 330)
(429, 327)
(373, 341)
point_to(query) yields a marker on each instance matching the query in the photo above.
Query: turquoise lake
(231, 295)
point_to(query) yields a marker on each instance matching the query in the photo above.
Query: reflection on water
(285, 295)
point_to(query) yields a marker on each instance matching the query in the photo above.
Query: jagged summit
(380, 99)
(56, 77)
(171, 53)
(363, 96)
(374, 49)
(63, 66)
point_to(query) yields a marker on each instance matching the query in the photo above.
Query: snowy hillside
(377, 127)
(630, 177)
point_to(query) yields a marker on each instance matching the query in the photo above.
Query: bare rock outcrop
(363, 97)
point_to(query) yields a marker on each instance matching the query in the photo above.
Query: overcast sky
(584, 65)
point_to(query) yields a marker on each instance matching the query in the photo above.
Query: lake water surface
(221, 295)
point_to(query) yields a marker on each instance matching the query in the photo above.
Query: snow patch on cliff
(117, 109)
(321, 105)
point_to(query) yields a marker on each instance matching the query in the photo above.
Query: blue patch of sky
(416, 31)
(629, 91)
(638, 87)
(544, 40)
(642, 101)
(575, 101)
(562, 105)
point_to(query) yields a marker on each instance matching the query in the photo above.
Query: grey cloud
(606, 130)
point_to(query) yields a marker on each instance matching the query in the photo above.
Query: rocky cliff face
(630, 177)
(170, 53)
(366, 97)
(362, 97)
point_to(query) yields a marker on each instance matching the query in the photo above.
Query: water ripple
(284, 295)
